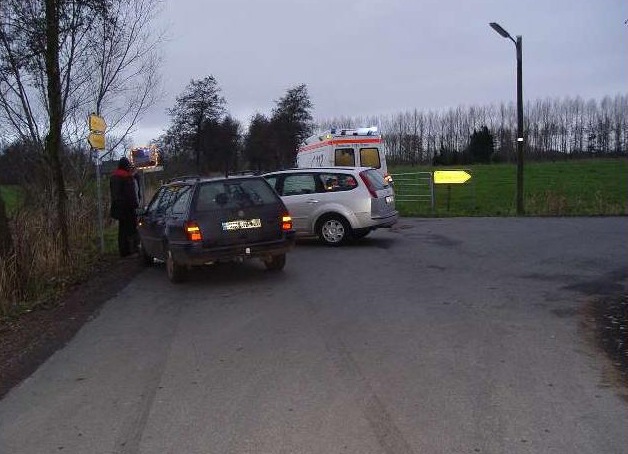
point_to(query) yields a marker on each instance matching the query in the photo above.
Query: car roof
(203, 179)
(321, 169)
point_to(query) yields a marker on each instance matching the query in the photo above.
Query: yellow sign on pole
(451, 176)
(96, 140)
(97, 124)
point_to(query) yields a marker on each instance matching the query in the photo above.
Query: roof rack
(244, 173)
(184, 177)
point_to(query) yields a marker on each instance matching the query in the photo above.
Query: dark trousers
(127, 235)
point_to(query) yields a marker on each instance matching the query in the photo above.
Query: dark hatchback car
(197, 220)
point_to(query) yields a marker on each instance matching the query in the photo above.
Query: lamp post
(495, 26)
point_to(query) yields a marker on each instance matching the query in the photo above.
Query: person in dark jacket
(123, 204)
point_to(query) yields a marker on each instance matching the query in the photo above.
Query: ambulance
(361, 147)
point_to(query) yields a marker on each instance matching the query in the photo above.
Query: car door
(298, 192)
(154, 222)
(148, 223)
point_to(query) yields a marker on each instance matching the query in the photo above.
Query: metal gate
(414, 187)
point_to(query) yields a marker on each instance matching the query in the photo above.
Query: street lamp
(495, 26)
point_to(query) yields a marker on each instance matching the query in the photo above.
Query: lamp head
(498, 28)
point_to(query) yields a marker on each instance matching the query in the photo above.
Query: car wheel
(275, 262)
(145, 259)
(176, 272)
(334, 230)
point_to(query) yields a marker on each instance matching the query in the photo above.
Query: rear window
(369, 157)
(375, 178)
(234, 194)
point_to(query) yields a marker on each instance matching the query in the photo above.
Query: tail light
(286, 222)
(368, 184)
(193, 231)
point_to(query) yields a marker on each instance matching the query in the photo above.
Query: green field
(564, 188)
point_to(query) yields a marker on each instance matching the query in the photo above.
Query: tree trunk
(53, 139)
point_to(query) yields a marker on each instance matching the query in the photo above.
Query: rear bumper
(367, 221)
(387, 221)
(195, 254)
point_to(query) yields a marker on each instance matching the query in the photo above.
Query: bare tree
(84, 56)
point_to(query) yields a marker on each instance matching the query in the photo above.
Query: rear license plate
(242, 224)
(390, 198)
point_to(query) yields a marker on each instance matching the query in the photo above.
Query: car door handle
(311, 201)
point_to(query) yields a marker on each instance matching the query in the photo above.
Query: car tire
(275, 262)
(176, 272)
(333, 230)
(145, 259)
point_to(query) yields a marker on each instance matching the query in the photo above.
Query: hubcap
(333, 231)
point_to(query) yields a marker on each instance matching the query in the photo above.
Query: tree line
(553, 128)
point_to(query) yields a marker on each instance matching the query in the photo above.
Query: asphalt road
(439, 336)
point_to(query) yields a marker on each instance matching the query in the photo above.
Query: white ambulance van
(361, 147)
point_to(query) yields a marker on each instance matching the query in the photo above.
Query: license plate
(390, 198)
(242, 224)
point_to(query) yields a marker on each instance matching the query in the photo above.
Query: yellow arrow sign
(97, 124)
(451, 176)
(96, 140)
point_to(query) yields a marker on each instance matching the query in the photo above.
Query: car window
(179, 200)
(158, 201)
(168, 198)
(153, 202)
(344, 157)
(369, 157)
(234, 194)
(294, 184)
(337, 181)
(272, 181)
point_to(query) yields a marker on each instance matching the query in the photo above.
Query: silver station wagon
(335, 203)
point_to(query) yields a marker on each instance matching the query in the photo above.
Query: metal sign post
(96, 139)
(100, 210)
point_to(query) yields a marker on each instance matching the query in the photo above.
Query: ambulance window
(344, 157)
(369, 157)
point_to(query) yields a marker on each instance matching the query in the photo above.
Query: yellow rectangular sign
(451, 176)
(96, 140)
(97, 124)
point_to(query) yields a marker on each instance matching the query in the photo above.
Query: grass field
(564, 188)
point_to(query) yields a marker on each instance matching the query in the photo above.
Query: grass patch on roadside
(593, 187)
(11, 196)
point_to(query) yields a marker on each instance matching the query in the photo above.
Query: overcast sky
(372, 57)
